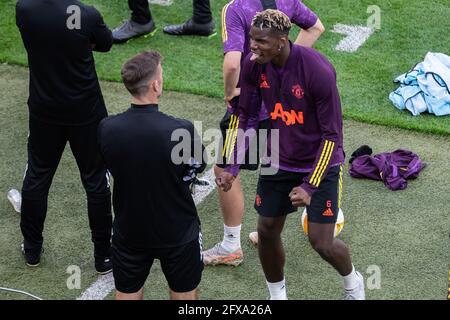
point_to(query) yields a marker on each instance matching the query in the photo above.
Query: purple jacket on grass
(393, 168)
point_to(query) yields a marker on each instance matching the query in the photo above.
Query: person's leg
(201, 11)
(94, 176)
(183, 266)
(131, 268)
(191, 295)
(271, 254)
(201, 23)
(322, 215)
(232, 206)
(336, 253)
(332, 250)
(231, 202)
(140, 11)
(45, 147)
(130, 296)
(141, 22)
(273, 205)
(228, 251)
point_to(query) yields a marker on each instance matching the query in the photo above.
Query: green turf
(193, 64)
(405, 233)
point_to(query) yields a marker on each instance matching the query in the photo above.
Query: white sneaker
(358, 293)
(253, 237)
(218, 255)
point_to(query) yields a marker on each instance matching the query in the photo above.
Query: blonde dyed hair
(272, 19)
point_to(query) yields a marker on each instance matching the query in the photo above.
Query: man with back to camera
(141, 22)
(298, 87)
(155, 215)
(65, 104)
(237, 18)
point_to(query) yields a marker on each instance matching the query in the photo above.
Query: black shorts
(228, 127)
(272, 199)
(182, 266)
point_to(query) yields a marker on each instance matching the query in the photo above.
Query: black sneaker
(32, 259)
(103, 265)
(130, 29)
(191, 28)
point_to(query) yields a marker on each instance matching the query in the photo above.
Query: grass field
(404, 233)
(193, 64)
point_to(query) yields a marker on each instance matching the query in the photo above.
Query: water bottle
(15, 198)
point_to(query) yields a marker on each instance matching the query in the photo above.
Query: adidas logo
(264, 83)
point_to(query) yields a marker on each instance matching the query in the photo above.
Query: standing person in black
(142, 23)
(152, 158)
(65, 104)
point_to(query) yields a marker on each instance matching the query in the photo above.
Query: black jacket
(59, 36)
(153, 206)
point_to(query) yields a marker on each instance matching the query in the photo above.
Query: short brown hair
(137, 71)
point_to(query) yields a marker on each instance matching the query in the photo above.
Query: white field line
(161, 2)
(99, 289)
(355, 36)
(201, 192)
(105, 284)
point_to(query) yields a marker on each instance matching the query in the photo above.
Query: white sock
(277, 290)
(231, 238)
(351, 280)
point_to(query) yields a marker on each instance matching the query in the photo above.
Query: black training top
(59, 36)
(153, 206)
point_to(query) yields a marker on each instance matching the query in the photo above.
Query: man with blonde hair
(298, 87)
(237, 18)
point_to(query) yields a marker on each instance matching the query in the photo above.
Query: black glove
(193, 170)
(190, 176)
